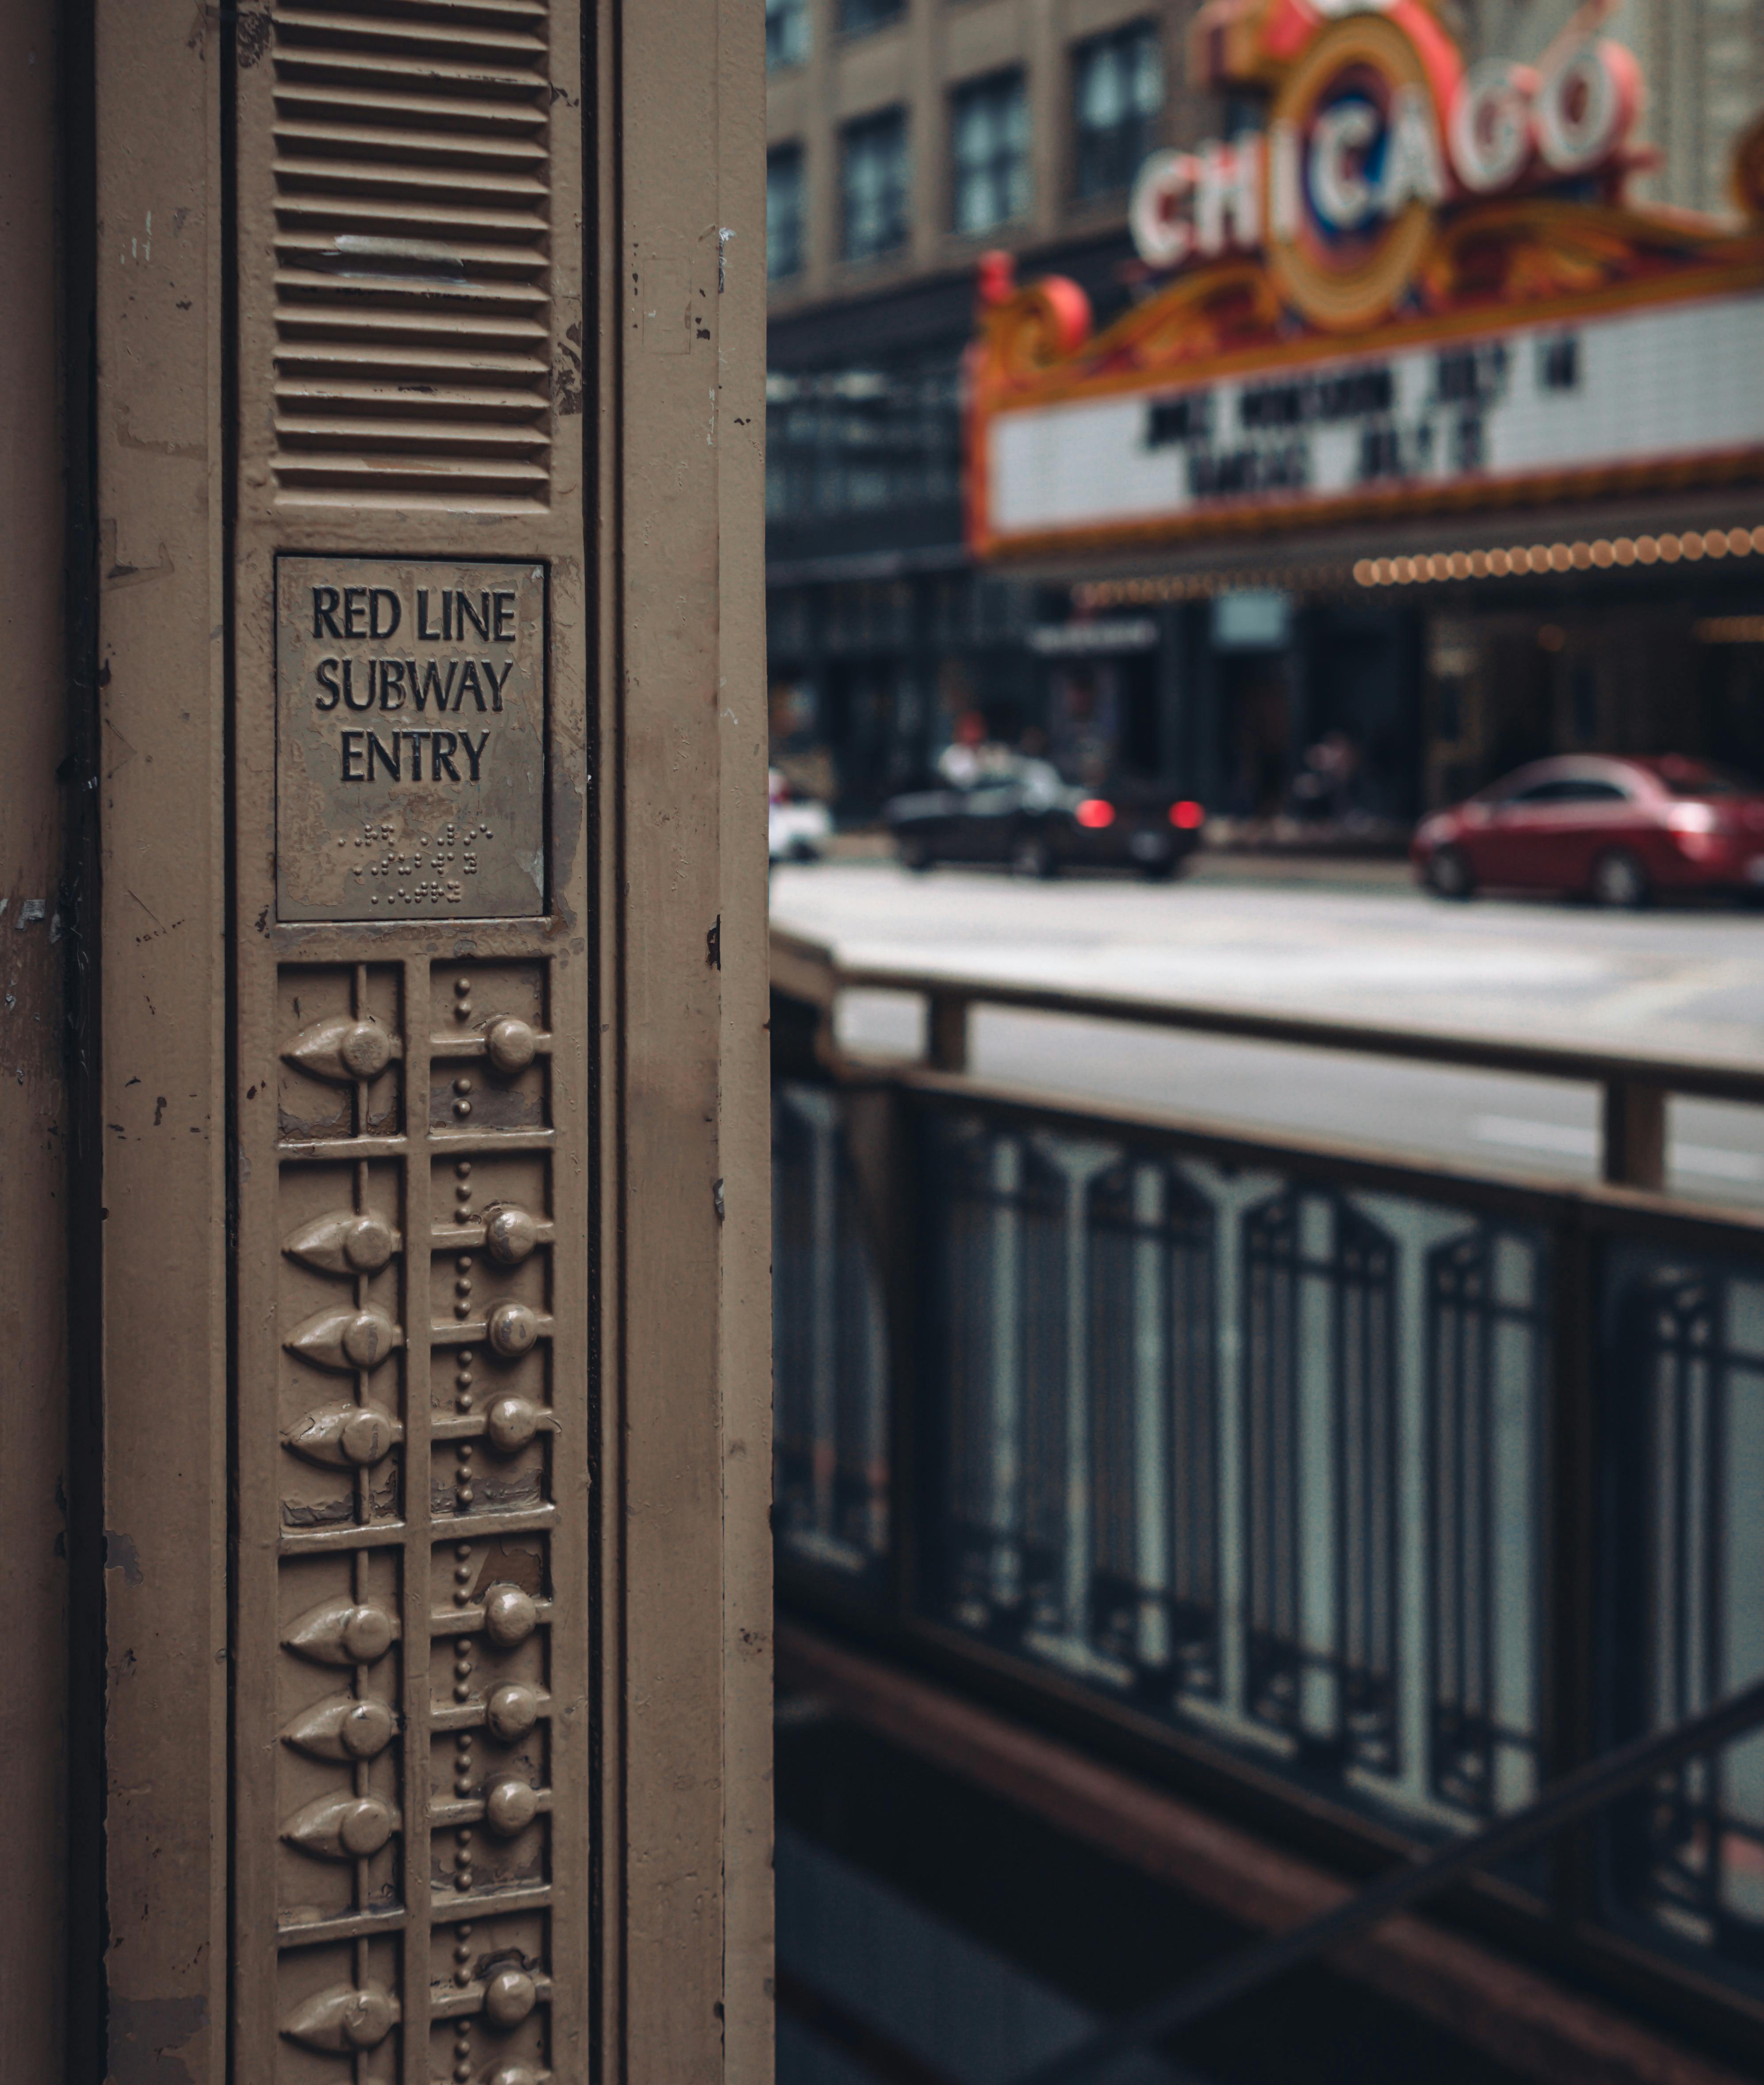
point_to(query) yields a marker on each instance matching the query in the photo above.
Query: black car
(1037, 825)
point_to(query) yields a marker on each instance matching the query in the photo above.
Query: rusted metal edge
(1523, 2019)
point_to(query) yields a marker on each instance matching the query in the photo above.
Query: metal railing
(1381, 1493)
(1580, 1794)
(1634, 1085)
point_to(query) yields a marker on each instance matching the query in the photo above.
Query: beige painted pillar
(424, 1199)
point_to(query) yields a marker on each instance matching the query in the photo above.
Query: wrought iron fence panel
(1264, 1443)
(1272, 1338)
(831, 1393)
(1484, 1304)
(1684, 1353)
(1058, 1501)
(1152, 1363)
(979, 1282)
(1261, 1456)
(1321, 1395)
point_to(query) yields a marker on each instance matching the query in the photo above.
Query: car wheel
(1620, 881)
(915, 853)
(1031, 856)
(1450, 874)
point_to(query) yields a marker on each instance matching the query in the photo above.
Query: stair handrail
(1587, 1789)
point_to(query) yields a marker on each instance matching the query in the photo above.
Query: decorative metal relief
(416, 1321)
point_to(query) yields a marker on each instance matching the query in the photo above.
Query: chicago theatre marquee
(1422, 433)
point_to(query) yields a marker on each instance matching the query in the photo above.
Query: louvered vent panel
(412, 319)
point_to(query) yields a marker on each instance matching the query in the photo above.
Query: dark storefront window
(1118, 95)
(989, 149)
(855, 16)
(873, 184)
(783, 212)
(786, 32)
(866, 441)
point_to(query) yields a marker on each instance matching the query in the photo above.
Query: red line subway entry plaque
(410, 739)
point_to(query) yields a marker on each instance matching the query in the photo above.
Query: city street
(1353, 940)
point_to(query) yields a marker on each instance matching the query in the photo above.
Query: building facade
(908, 138)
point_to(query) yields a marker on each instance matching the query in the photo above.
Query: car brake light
(1094, 813)
(1187, 816)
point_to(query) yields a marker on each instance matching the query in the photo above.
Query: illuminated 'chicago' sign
(1421, 288)
(1375, 126)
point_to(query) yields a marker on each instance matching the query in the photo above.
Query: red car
(1616, 831)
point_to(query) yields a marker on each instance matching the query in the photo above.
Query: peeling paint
(252, 38)
(121, 1554)
(145, 2035)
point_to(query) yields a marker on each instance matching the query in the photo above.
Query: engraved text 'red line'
(410, 757)
(391, 682)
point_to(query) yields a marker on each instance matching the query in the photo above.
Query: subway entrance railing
(1370, 1496)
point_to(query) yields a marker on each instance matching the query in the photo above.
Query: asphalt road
(1356, 942)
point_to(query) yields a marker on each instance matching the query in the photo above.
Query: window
(878, 438)
(873, 184)
(856, 16)
(1118, 95)
(783, 212)
(1573, 790)
(786, 32)
(989, 149)
(1558, 363)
